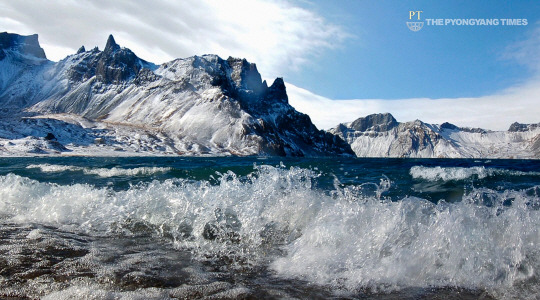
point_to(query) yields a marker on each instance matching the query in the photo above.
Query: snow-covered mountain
(380, 135)
(111, 102)
(95, 102)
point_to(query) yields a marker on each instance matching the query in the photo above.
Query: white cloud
(494, 112)
(277, 35)
(527, 51)
(519, 103)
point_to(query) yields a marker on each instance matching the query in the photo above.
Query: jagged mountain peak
(246, 75)
(111, 45)
(277, 91)
(81, 50)
(113, 65)
(450, 126)
(236, 78)
(23, 44)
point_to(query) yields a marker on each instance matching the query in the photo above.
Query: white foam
(386, 246)
(345, 239)
(99, 292)
(47, 168)
(34, 234)
(216, 290)
(101, 172)
(448, 173)
(460, 173)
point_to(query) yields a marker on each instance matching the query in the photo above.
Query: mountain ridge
(200, 105)
(380, 135)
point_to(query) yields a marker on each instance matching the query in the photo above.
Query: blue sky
(341, 60)
(384, 59)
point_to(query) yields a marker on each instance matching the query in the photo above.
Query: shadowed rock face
(519, 127)
(113, 65)
(375, 122)
(27, 45)
(289, 132)
(450, 126)
(515, 127)
(277, 91)
(246, 76)
(284, 130)
(81, 50)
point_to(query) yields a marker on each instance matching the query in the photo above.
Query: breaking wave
(101, 172)
(460, 173)
(348, 238)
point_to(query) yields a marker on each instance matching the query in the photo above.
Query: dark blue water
(156, 228)
(492, 174)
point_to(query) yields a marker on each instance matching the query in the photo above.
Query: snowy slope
(193, 106)
(380, 135)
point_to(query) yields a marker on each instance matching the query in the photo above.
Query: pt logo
(415, 15)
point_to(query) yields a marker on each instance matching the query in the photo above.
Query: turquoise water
(228, 228)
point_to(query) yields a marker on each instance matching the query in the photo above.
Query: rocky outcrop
(26, 45)
(112, 65)
(519, 127)
(375, 122)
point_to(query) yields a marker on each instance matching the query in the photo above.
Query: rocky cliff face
(25, 45)
(192, 106)
(112, 65)
(375, 122)
(518, 127)
(22, 62)
(380, 135)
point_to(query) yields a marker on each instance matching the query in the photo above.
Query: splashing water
(350, 238)
(102, 172)
(459, 173)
